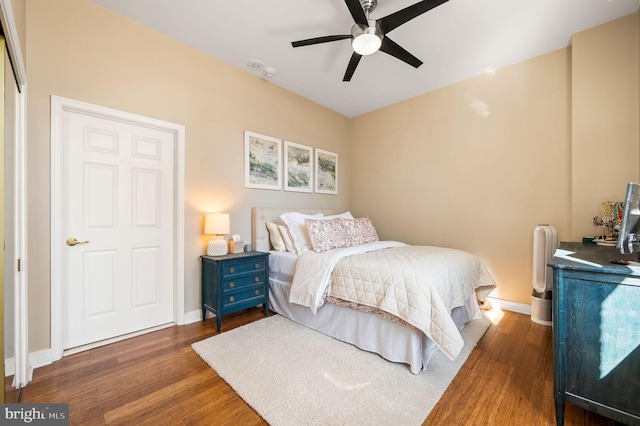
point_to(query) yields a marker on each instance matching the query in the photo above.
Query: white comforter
(419, 284)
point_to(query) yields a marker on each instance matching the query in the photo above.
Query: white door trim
(58, 106)
(22, 369)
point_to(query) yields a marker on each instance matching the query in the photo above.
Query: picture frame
(262, 161)
(298, 172)
(326, 164)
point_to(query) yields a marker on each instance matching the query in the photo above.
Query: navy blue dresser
(234, 282)
(596, 332)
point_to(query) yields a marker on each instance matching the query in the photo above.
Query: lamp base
(217, 247)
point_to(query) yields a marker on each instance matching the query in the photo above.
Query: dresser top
(240, 255)
(593, 258)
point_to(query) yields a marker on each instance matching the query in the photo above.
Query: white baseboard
(507, 305)
(193, 316)
(9, 367)
(40, 358)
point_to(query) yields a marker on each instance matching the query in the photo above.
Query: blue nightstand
(234, 282)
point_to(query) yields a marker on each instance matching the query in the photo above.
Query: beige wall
(605, 149)
(78, 50)
(477, 165)
(19, 10)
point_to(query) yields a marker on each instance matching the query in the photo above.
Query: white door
(117, 203)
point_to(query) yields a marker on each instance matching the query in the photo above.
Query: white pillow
(345, 215)
(275, 237)
(286, 237)
(298, 230)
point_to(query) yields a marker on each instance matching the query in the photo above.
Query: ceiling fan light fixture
(366, 40)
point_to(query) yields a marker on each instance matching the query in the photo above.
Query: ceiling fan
(370, 35)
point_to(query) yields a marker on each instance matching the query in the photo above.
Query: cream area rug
(293, 375)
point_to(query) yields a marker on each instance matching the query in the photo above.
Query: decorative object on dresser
(217, 224)
(596, 332)
(234, 282)
(236, 245)
(610, 222)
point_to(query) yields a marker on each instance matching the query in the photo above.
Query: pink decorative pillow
(359, 231)
(340, 232)
(326, 234)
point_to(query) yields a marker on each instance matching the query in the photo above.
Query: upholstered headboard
(261, 215)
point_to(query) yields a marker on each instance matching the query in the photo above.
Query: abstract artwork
(297, 167)
(262, 166)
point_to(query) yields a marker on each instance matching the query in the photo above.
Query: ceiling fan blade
(398, 18)
(356, 11)
(318, 40)
(390, 47)
(351, 68)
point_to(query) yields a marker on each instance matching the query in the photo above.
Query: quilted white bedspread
(419, 284)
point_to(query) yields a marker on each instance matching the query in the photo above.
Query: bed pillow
(326, 234)
(286, 237)
(345, 215)
(276, 237)
(299, 234)
(359, 231)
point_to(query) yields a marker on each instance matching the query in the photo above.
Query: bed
(395, 336)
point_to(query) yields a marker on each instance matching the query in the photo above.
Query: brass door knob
(72, 241)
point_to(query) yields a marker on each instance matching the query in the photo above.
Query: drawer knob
(256, 279)
(232, 270)
(257, 292)
(257, 266)
(232, 299)
(232, 284)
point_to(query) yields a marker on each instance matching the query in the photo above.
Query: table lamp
(217, 224)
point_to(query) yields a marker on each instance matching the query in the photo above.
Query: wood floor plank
(157, 379)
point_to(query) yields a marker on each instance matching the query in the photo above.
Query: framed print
(298, 176)
(262, 166)
(326, 172)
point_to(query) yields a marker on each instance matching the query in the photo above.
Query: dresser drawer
(250, 296)
(231, 269)
(235, 283)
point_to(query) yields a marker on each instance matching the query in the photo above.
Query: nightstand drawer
(243, 281)
(251, 296)
(241, 267)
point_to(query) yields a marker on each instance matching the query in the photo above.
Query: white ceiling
(456, 41)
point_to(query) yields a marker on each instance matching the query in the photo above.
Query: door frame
(59, 106)
(21, 368)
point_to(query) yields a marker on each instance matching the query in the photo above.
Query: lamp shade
(216, 224)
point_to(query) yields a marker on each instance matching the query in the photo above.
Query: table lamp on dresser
(217, 224)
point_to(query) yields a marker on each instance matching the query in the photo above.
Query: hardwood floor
(157, 379)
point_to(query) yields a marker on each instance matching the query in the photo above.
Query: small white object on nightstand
(217, 224)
